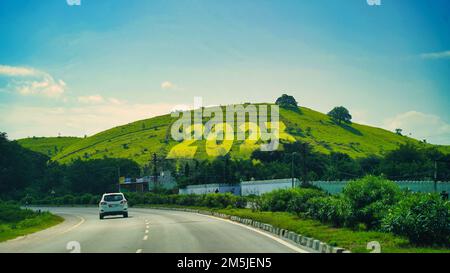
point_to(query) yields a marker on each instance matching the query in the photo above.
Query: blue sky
(78, 70)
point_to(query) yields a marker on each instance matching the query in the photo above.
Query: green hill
(140, 139)
(47, 145)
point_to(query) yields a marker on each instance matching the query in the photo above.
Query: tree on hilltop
(286, 101)
(340, 114)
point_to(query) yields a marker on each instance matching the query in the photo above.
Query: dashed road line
(145, 237)
(139, 251)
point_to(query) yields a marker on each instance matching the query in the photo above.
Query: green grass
(138, 140)
(355, 241)
(27, 226)
(47, 145)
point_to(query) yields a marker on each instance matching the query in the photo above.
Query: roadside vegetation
(369, 209)
(15, 221)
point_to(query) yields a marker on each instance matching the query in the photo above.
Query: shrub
(370, 199)
(330, 209)
(95, 200)
(86, 198)
(298, 203)
(219, 200)
(288, 199)
(423, 218)
(68, 199)
(13, 214)
(188, 200)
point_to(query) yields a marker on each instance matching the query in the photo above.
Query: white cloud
(421, 126)
(93, 99)
(30, 81)
(13, 71)
(167, 85)
(436, 55)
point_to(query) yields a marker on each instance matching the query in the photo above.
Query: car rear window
(113, 197)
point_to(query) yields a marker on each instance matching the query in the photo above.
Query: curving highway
(147, 231)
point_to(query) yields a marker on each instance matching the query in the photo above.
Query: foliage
(13, 213)
(293, 200)
(333, 210)
(216, 200)
(15, 221)
(340, 114)
(287, 101)
(356, 241)
(370, 197)
(423, 218)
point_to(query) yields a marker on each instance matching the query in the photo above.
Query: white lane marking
(147, 226)
(145, 237)
(139, 251)
(279, 240)
(82, 220)
(146, 231)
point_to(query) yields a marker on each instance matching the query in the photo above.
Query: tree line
(24, 172)
(408, 162)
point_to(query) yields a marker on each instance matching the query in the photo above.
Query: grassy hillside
(47, 145)
(138, 140)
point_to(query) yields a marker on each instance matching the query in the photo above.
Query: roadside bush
(68, 199)
(298, 203)
(14, 214)
(86, 199)
(188, 200)
(293, 200)
(157, 199)
(134, 198)
(370, 199)
(330, 209)
(222, 200)
(423, 218)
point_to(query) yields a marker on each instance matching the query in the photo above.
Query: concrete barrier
(323, 247)
(338, 250)
(304, 241)
(291, 235)
(309, 243)
(316, 245)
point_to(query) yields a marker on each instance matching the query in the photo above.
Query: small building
(148, 183)
(258, 187)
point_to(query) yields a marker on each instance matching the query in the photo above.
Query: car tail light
(123, 202)
(103, 203)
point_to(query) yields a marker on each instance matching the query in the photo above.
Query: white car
(113, 204)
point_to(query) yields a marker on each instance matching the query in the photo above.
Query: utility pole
(292, 168)
(304, 163)
(118, 174)
(435, 176)
(155, 170)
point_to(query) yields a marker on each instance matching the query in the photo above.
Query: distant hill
(49, 146)
(138, 140)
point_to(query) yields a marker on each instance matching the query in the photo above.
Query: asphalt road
(147, 231)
